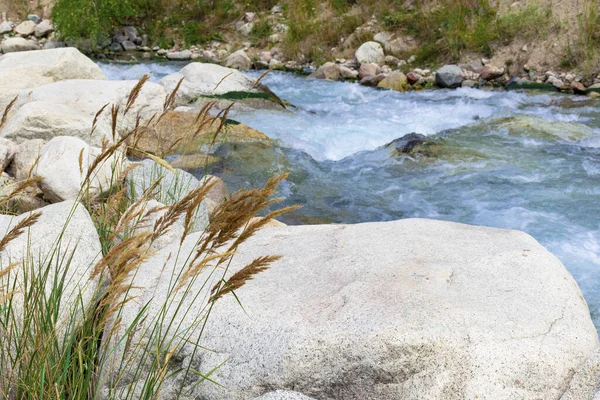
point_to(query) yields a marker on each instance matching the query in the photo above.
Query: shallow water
(527, 161)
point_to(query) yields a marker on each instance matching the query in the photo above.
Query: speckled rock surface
(411, 309)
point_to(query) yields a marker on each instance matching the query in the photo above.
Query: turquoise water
(526, 161)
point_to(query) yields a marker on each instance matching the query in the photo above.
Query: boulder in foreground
(62, 244)
(410, 309)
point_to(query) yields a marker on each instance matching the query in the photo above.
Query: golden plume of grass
(96, 117)
(170, 100)
(7, 110)
(230, 226)
(222, 116)
(135, 92)
(260, 78)
(80, 160)
(114, 113)
(221, 81)
(244, 275)
(18, 229)
(121, 261)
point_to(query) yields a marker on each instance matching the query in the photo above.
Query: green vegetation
(454, 27)
(309, 37)
(95, 19)
(319, 30)
(584, 53)
(261, 30)
(194, 21)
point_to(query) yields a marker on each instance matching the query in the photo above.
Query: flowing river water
(526, 161)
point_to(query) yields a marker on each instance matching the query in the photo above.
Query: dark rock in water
(408, 144)
(516, 83)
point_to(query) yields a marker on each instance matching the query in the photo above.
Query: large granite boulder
(25, 70)
(69, 108)
(60, 248)
(411, 309)
(64, 164)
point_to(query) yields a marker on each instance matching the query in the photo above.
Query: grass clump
(583, 52)
(312, 38)
(95, 19)
(58, 349)
(261, 30)
(452, 28)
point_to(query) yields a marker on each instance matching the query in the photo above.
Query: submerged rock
(540, 128)
(408, 144)
(182, 132)
(445, 311)
(524, 84)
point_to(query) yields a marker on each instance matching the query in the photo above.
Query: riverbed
(515, 160)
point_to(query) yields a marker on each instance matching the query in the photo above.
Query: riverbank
(521, 44)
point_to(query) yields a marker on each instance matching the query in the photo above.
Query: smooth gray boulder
(63, 244)
(44, 28)
(25, 28)
(69, 108)
(18, 44)
(26, 155)
(329, 70)
(283, 395)
(6, 27)
(238, 60)
(585, 384)
(173, 187)
(410, 309)
(370, 52)
(180, 55)
(202, 82)
(64, 176)
(29, 69)
(449, 76)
